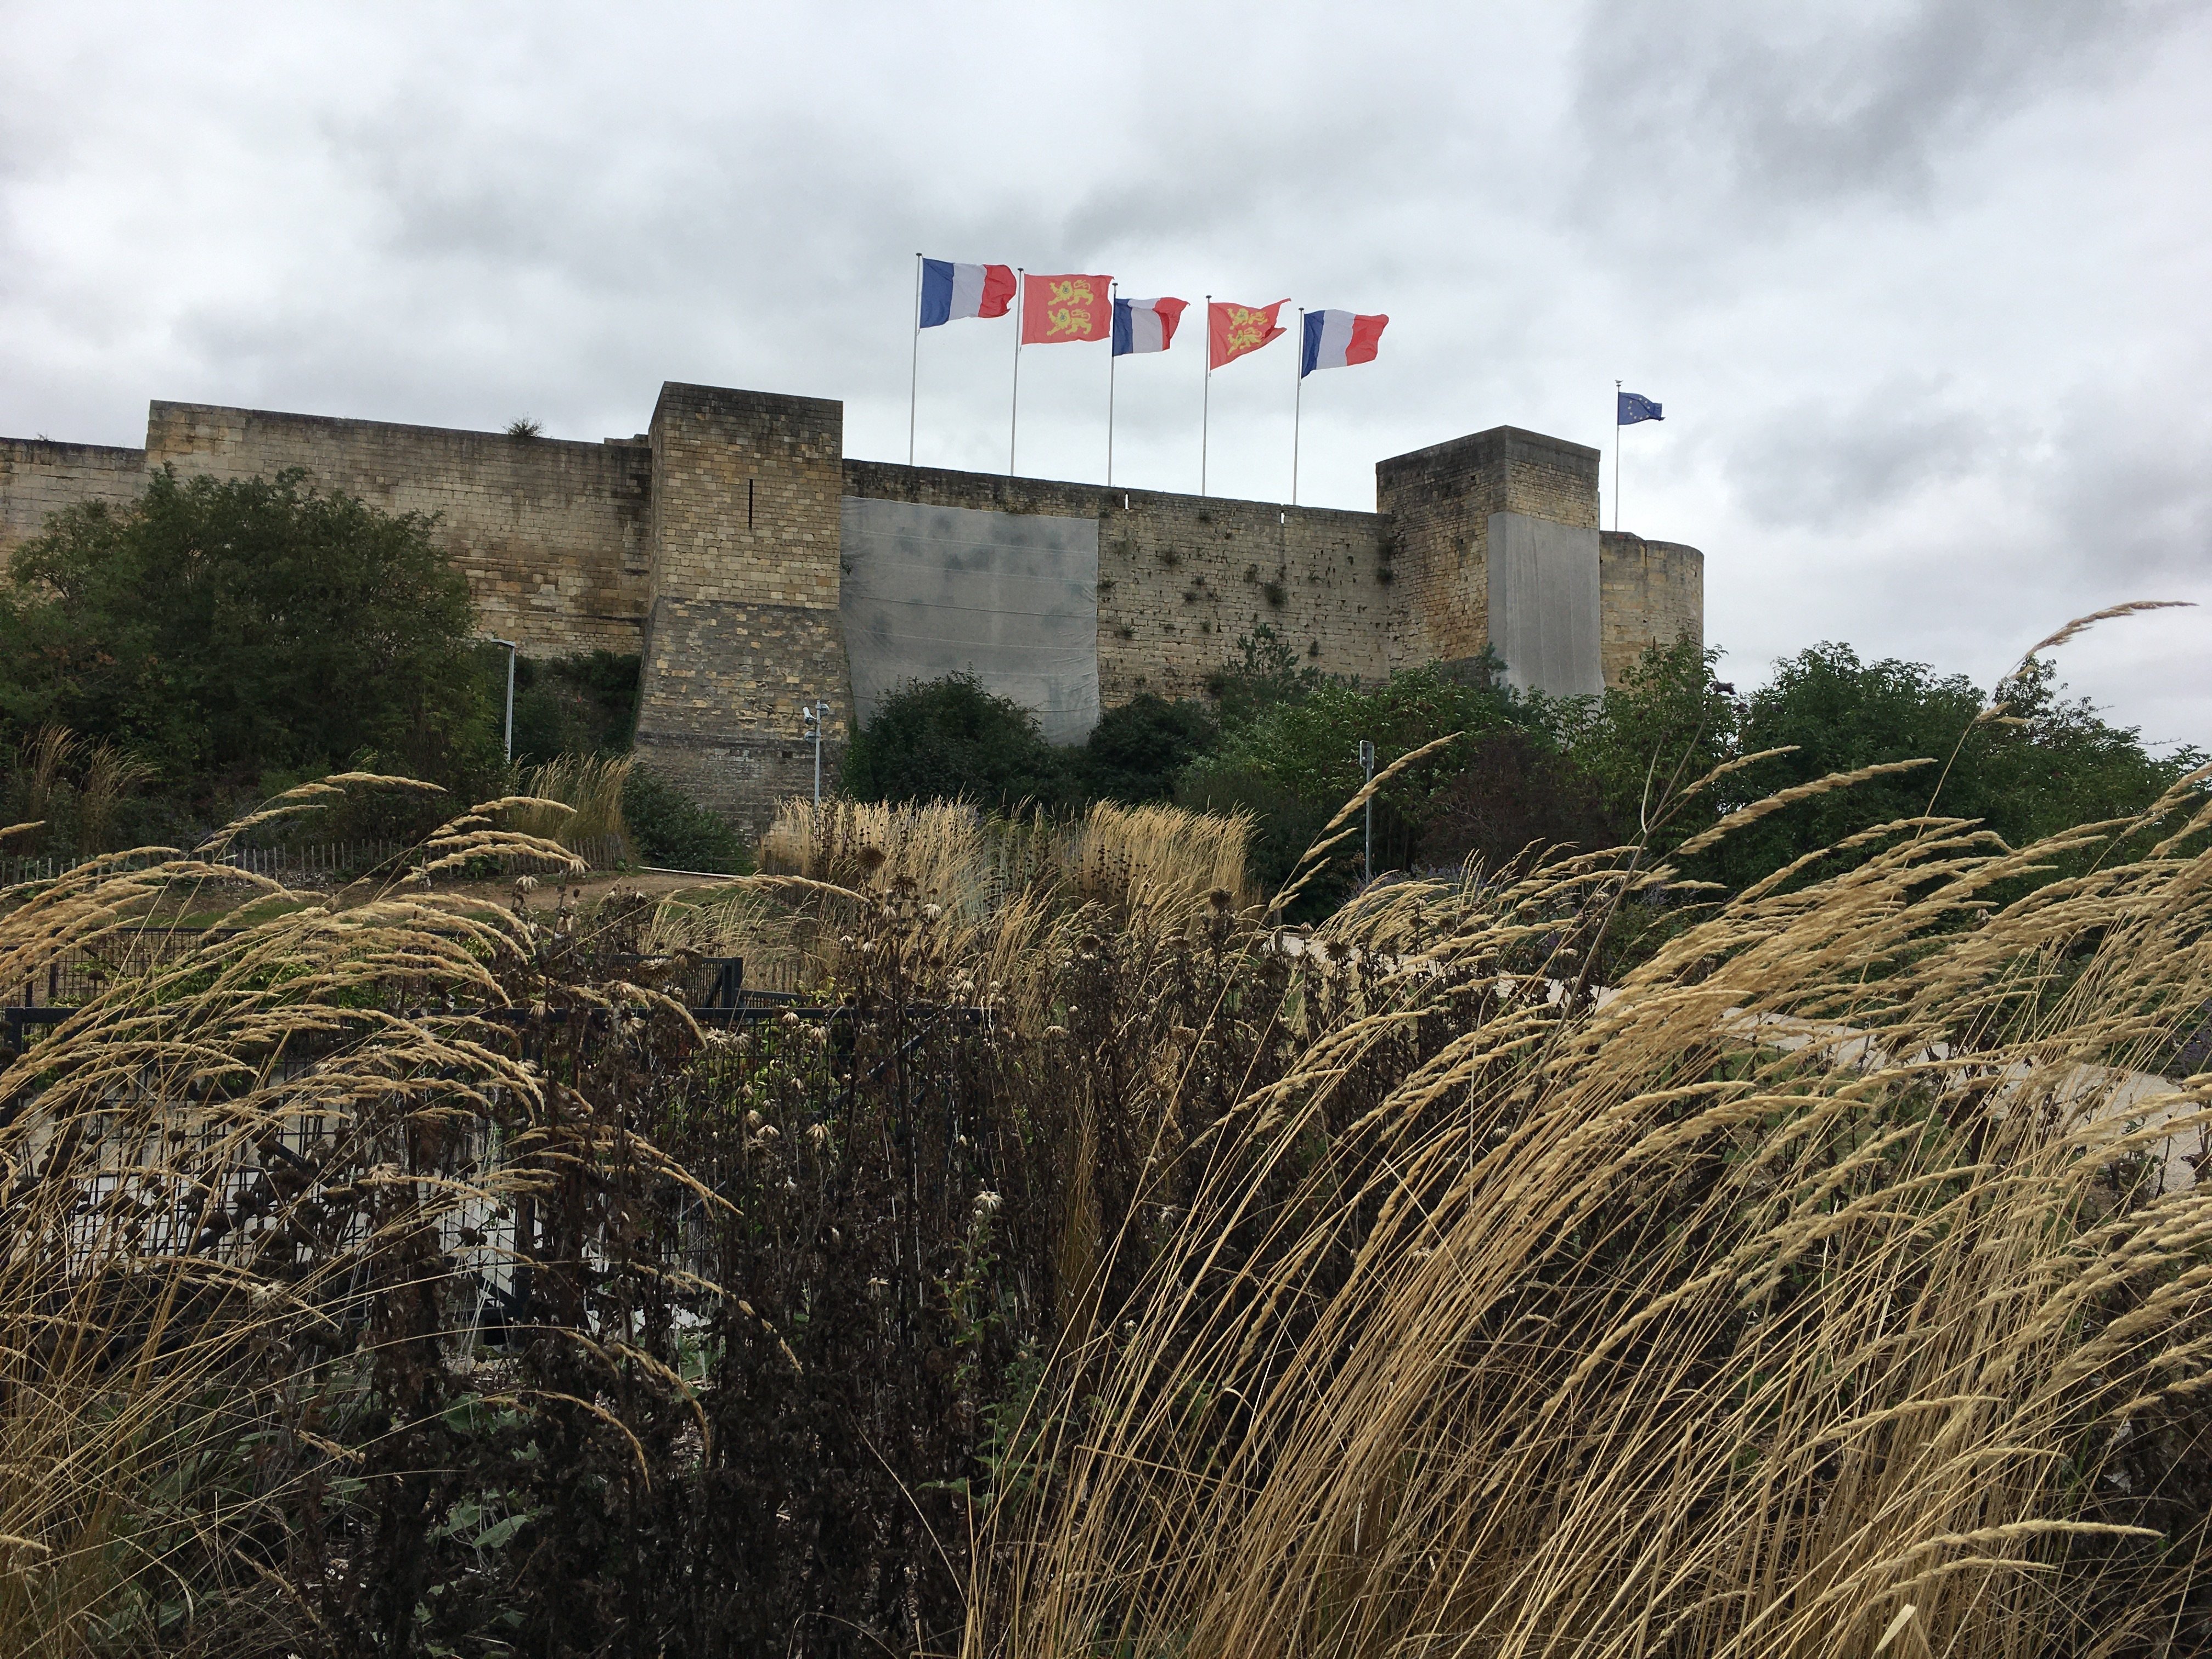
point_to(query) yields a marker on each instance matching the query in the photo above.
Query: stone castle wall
(38, 478)
(711, 546)
(1438, 502)
(1182, 577)
(742, 627)
(1654, 593)
(553, 535)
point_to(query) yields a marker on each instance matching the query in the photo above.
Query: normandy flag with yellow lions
(1056, 309)
(1232, 330)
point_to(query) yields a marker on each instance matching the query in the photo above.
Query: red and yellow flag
(1232, 331)
(1060, 308)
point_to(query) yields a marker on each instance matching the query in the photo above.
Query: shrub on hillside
(670, 829)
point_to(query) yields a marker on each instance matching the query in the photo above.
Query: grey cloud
(1787, 110)
(2127, 493)
(1840, 463)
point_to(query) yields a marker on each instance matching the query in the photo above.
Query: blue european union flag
(1635, 407)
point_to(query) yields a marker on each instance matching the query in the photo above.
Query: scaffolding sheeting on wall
(1010, 598)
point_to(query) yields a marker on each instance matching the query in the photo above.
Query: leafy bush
(952, 739)
(670, 829)
(1285, 824)
(1518, 791)
(1138, 751)
(585, 704)
(1290, 753)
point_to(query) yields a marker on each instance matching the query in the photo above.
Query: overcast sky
(1922, 288)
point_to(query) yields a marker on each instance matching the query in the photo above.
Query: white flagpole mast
(1616, 457)
(1014, 420)
(1206, 397)
(1113, 357)
(913, 369)
(1297, 401)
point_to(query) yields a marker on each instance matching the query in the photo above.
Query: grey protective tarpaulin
(1544, 604)
(1012, 597)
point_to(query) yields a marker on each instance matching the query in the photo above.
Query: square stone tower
(1496, 539)
(741, 629)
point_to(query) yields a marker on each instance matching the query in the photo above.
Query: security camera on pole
(816, 715)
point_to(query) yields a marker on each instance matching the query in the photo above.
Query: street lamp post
(509, 742)
(1367, 772)
(815, 714)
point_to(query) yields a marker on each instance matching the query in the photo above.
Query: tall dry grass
(1610, 1329)
(993, 891)
(1828, 1284)
(590, 786)
(234, 1185)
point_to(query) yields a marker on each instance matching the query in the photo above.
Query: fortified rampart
(755, 567)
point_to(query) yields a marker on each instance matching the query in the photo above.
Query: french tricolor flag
(1145, 325)
(1338, 339)
(950, 291)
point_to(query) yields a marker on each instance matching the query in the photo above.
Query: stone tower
(741, 627)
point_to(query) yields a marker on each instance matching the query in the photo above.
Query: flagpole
(1014, 420)
(1113, 316)
(914, 368)
(1206, 397)
(1297, 402)
(1616, 457)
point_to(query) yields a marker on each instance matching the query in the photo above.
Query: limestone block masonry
(743, 630)
(710, 545)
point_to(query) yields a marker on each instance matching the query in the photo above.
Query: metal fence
(331, 861)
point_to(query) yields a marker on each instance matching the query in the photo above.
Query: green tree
(222, 629)
(1139, 751)
(1646, 740)
(2051, 762)
(952, 739)
(1518, 791)
(1289, 754)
